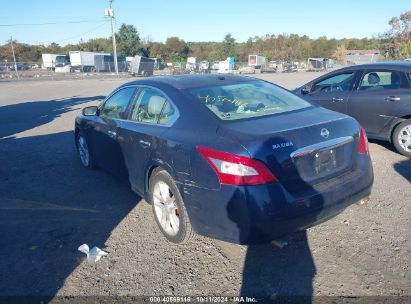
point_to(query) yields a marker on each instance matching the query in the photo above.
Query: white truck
(83, 61)
(256, 61)
(49, 61)
(226, 66)
(62, 64)
(191, 64)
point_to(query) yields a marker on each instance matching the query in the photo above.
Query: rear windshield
(247, 99)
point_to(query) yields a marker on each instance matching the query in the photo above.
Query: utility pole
(109, 12)
(14, 57)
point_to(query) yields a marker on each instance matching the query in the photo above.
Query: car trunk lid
(302, 148)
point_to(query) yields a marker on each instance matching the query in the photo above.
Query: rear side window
(337, 83)
(116, 104)
(383, 80)
(247, 100)
(152, 107)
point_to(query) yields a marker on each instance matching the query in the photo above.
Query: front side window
(337, 83)
(116, 105)
(247, 100)
(381, 80)
(152, 107)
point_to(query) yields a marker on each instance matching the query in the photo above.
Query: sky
(63, 22)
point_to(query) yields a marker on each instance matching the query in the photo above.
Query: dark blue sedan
(233, 158)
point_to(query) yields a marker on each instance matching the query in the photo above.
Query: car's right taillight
(233, 169)
(363, 142)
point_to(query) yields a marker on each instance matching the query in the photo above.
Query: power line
(77, 36)
(50, 23)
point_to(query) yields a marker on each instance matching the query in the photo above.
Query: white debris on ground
(93, 255)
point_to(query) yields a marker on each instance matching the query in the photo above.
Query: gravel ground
(50, 205)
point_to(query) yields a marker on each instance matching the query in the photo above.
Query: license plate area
(316, 163)
(325, 161)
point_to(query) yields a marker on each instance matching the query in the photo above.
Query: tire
(168, 207)
(84, 152)
(402, 138)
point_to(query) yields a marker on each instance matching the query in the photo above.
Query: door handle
(337, 99)
(144, 144)
(112, 134)
(392, 98)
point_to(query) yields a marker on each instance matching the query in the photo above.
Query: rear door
(334, 91)
(104, 138)
(377, 100)
(150, 115)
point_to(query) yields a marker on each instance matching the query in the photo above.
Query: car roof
(181, 82)
(381, 65)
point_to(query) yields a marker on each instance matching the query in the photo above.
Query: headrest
(155, 105)
(373, 78)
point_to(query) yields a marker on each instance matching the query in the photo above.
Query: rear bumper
(258, 214)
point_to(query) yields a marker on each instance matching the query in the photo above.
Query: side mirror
(305, 90)
(90, 111)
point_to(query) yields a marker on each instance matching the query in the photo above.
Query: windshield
(62, 60)
(247, 100)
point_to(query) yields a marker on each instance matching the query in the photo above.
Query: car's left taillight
(362, 142)
(233, 169)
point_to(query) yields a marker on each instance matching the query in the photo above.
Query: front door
(105, 146)
(333, 92)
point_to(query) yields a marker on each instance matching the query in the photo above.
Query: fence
(34, 70)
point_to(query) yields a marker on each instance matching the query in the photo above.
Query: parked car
(228, 157)
(204, 65)
(246, 70)
(377, 95)
(20, 67)
(270, 67)
(215, 65)
(289, 67)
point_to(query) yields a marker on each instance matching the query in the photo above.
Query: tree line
(394, 44)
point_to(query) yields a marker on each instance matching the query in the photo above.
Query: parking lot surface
(50, 205)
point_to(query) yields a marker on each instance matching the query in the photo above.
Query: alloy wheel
(165, 208)
(83, 151)
(404, 138)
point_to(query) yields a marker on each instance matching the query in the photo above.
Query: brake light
(363, 142)
(234, 169)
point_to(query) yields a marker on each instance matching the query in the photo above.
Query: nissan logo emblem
(325, 133)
